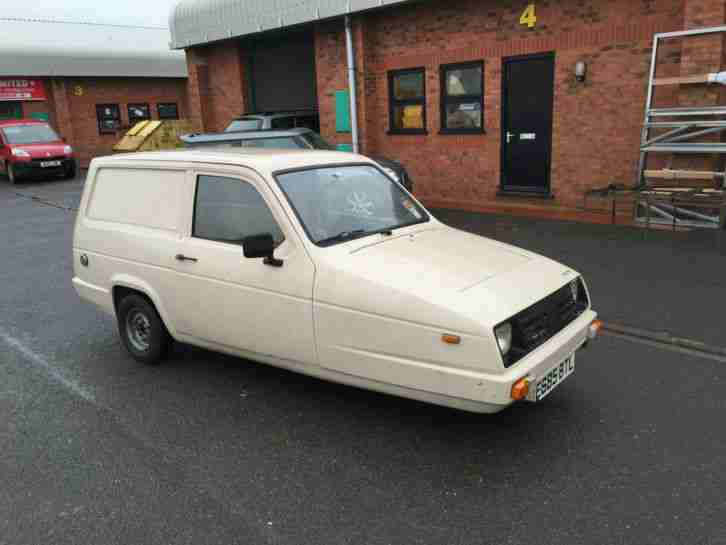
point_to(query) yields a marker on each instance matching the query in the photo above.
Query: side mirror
(256, 246)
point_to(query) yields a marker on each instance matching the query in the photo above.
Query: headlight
(503, 333)
(20, 153)
(392, 174)
(67, 150)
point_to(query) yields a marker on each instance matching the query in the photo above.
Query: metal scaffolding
(682, 197)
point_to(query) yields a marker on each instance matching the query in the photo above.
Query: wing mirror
(256, 246)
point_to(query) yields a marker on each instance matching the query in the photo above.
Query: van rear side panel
(127, 233)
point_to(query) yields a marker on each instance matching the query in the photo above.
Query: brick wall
(71, 106)
(597, 124)
(75, 101)
(219, 94)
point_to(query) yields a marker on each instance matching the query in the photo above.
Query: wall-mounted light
(580, 71)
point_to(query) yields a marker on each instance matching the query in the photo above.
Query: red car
(29, 147)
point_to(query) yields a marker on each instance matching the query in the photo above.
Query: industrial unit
(490, 105)
(89, 81)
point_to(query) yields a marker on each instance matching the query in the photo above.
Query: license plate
(46, 164)
(554, 377)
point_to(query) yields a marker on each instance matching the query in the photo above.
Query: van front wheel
(142, 331)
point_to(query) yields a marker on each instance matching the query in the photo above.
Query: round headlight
(67, 150)
(503, 333)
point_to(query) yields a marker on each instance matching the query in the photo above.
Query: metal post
(645, 135)
(351, 83)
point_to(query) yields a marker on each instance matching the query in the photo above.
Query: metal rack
(676, 131)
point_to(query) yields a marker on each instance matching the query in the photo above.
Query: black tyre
(12, 176)
(142, 331)
(70, 172)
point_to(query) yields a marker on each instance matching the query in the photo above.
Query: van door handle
(182, 257)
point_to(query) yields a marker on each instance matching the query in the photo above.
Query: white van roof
(264, 161)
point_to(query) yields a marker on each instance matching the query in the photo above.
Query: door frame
(526, 191)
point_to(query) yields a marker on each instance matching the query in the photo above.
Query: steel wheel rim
(138, 330)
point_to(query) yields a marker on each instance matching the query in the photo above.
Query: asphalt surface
(95, 448)
(655, 280)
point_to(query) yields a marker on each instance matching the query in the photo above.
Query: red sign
(22, 89)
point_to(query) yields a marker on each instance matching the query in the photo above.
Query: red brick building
(91, 82)
(480, 140)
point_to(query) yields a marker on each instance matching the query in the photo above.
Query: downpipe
(351, 83)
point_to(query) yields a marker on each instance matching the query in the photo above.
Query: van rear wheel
(142, 331)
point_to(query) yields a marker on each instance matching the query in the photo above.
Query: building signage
(21, 89)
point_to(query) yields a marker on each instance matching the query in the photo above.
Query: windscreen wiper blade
(344, 235)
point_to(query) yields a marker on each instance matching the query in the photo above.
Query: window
(167, 110)
(109, 118)
(228, 210)
(282, 123)
(337, 204)
(462, 98)
(311, 122)
(407, 97)
(11, 110)
(244, 124)
(138, 112)
(282, 142)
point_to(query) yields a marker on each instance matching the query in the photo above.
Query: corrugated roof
(36, 47)
(194, 22)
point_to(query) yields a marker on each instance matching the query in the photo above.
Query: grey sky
(126, 12)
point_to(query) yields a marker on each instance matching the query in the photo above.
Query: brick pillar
(227, 84)
(197, 88)
(62, 109)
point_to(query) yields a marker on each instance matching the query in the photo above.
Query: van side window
(229, 209)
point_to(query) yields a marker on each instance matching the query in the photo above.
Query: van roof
(265, 161)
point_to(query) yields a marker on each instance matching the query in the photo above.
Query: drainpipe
(351, 83)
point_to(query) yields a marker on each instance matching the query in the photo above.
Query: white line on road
(39, 361)
(265, 533)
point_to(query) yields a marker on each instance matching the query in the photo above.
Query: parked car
(318, 262)
(30, 147)
(287, 139)
(307, 119)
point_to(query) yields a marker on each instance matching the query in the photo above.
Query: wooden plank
(682, 80)
(668, 174)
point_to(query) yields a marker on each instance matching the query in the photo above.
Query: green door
(11, 110)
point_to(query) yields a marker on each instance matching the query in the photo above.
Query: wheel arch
(123, 285)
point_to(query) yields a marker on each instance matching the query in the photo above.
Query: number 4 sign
(529, 17)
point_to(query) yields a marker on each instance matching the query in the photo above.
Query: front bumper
(34, 168)
(537, 363)
(491, 393)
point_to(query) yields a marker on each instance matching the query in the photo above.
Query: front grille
(537, 324)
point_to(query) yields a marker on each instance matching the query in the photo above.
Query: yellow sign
(413, 117)
(529, 17)
(78, 90)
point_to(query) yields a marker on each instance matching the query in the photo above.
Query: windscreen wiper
(344, 235)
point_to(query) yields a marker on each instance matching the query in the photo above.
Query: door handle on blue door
(182, 257)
